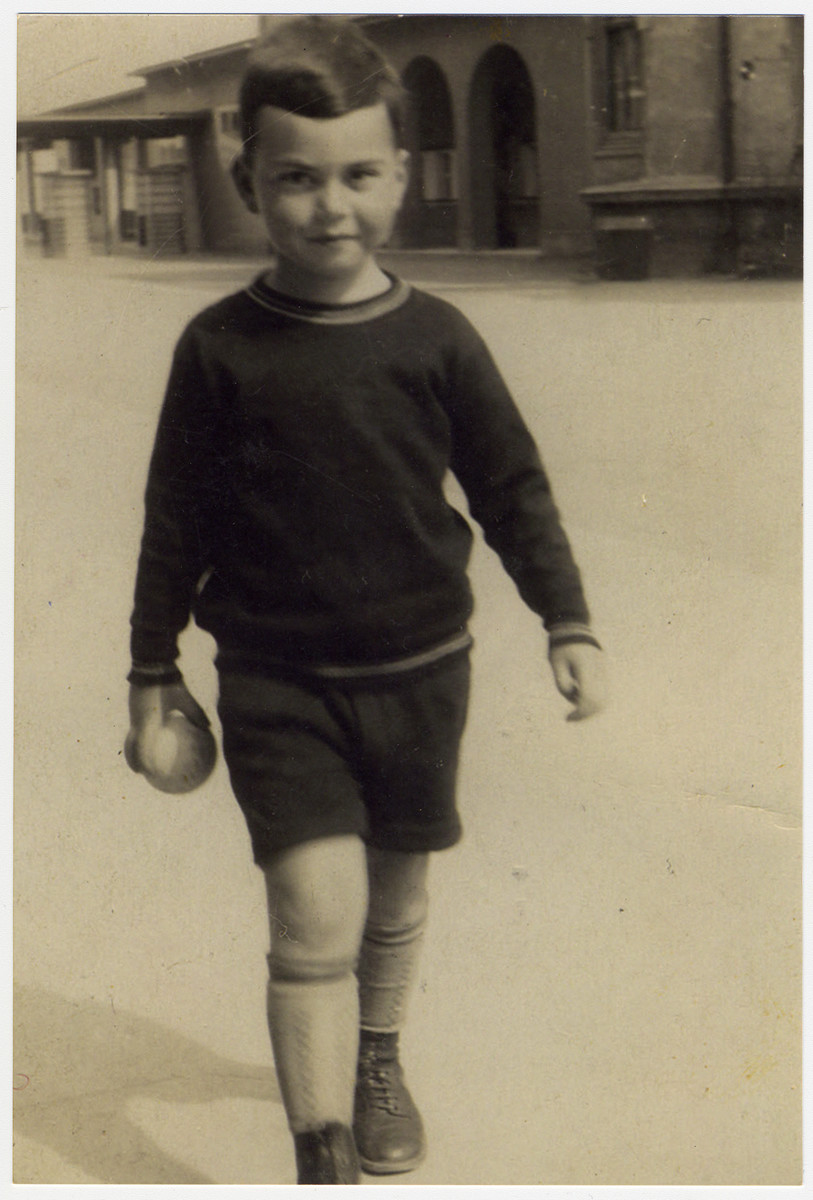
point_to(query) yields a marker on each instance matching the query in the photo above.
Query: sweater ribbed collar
(330, 314)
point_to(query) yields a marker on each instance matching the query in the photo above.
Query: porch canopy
(149, 125)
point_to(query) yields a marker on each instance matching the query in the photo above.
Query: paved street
(610, 992)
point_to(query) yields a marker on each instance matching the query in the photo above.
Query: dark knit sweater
(295, 498)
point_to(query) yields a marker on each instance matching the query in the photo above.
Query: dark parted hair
(318, 66)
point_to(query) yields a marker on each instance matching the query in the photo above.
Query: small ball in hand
(184, 756)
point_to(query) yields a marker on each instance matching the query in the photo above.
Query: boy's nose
(332, 198)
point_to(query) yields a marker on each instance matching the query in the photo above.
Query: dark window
(128, 225)
(81, 156)
(625, 94)
(230, 122)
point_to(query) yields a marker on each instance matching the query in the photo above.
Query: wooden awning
(148, 125)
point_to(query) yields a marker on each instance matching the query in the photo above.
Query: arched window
(432, 128)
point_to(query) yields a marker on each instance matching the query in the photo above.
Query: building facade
(662, 145)
(697, 150)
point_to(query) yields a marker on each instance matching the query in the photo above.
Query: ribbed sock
(386, 971)
(314, 1032)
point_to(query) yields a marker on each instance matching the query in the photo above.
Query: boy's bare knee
(317, 904)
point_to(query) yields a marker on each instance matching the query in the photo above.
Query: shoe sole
(385, 1168)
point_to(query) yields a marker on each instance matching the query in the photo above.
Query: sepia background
(610, 991)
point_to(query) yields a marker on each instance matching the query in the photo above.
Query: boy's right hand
(150, 708)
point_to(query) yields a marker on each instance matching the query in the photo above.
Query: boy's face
(329, 190)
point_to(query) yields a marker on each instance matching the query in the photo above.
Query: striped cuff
(571, 633)
(144, 675)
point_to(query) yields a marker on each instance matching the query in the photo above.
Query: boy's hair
(318, 66)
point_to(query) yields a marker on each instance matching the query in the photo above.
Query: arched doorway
(502, 127)
(430, 207)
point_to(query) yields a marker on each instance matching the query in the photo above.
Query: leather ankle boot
(386, 1124)
(326, 1155)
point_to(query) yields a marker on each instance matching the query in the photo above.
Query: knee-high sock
(386, 971)
(314, 1027)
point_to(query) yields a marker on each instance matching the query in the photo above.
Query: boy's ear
(243, 181)
(403, 166)
(402, 174)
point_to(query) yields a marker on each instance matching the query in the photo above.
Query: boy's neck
(370, 282)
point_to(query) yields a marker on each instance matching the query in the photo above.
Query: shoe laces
(381, 1082)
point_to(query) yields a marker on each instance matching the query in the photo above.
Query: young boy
(295, 506)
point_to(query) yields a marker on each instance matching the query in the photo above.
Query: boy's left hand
(580, 676)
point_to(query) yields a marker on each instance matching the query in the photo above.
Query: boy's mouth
(327, 238)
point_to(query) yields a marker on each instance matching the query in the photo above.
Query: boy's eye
(294, 179)
(363, 175)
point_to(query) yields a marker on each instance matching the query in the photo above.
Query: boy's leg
(317, 902)
(396, 918)
(387, 1126)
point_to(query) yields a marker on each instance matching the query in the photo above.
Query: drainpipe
(726, 101)
(728, 235)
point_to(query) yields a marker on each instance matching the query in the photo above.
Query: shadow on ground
(79, 1065)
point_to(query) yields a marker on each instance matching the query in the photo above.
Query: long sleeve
(497, 463)
(181, 498)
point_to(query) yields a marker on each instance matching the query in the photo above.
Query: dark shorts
(311, 758)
